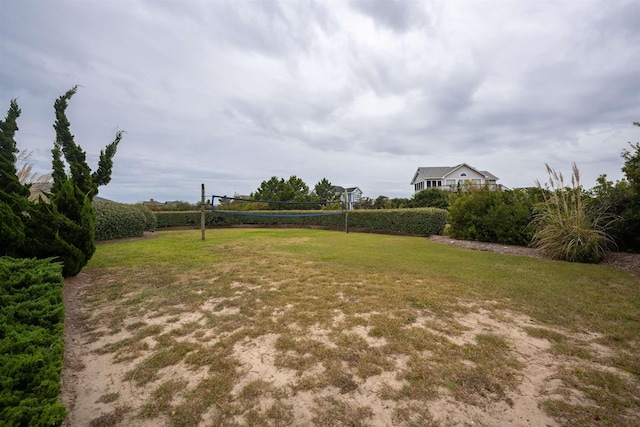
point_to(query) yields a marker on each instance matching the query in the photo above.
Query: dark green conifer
(64, 227)
(72, 193)
(13, 195)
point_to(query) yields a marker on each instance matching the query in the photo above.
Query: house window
(463, 174)
(450, 182)
(476, 181)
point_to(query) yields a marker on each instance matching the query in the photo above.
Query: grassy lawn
(275, 327)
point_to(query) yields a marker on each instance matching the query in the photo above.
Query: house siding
(354, 195)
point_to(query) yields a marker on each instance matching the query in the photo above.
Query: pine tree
(325, 190)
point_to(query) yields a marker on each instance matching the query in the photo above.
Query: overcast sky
(231, 93)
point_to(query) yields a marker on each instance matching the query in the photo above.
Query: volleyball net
(275, 208)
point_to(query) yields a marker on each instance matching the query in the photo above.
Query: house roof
(439, 172)
(488, 175)
(339, 189)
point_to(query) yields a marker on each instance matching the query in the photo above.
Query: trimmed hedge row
(422, 221)
(117, 221)
(31, 342)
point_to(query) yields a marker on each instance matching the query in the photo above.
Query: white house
(448, 178)
(354, 195)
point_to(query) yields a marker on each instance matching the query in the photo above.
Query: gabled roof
(489, 176)
(339, 189)
(439, 172)
(435, 172)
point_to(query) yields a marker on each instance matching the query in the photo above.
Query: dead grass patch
(307, 327)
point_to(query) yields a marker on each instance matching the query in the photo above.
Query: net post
(202, 228)
(346, 212)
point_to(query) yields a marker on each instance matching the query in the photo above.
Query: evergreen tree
(63, 228)
(269, 189)
(325, 190)
(13, 195)
(295, 190)
(76, 158)
(72, 193)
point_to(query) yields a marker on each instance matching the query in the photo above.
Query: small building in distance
(354, 195)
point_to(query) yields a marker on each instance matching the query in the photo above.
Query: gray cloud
(231, 93)
(397, 15)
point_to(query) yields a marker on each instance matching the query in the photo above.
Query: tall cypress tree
(64, 228)
(72, 193)
(13, 195)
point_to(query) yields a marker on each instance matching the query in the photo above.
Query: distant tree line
(292, 193)
(324, 192)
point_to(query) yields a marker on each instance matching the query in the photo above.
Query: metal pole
(346, 212)
(202, 212)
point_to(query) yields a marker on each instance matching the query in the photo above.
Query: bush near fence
(421, 221)
(117, 220)
(31, 342)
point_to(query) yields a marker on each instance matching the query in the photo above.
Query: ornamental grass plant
(565, 229)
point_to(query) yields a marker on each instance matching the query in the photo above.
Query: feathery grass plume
(566, 230)
(39, 184)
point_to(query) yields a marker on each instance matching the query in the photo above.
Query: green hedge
(150, 222)
(31, 342)
(117, 221)
(422, 221)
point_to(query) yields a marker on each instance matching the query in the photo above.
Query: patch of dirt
(88, 377)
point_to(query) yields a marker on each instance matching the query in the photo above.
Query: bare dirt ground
(90, 378)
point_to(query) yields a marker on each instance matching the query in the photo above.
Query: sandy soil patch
(90, 378)
(97, 392)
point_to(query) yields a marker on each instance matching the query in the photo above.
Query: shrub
(430, 198)
(31, 342)
(493, 216)
(622, 201)
(117, 221)
(150, 221)
(565, 229)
